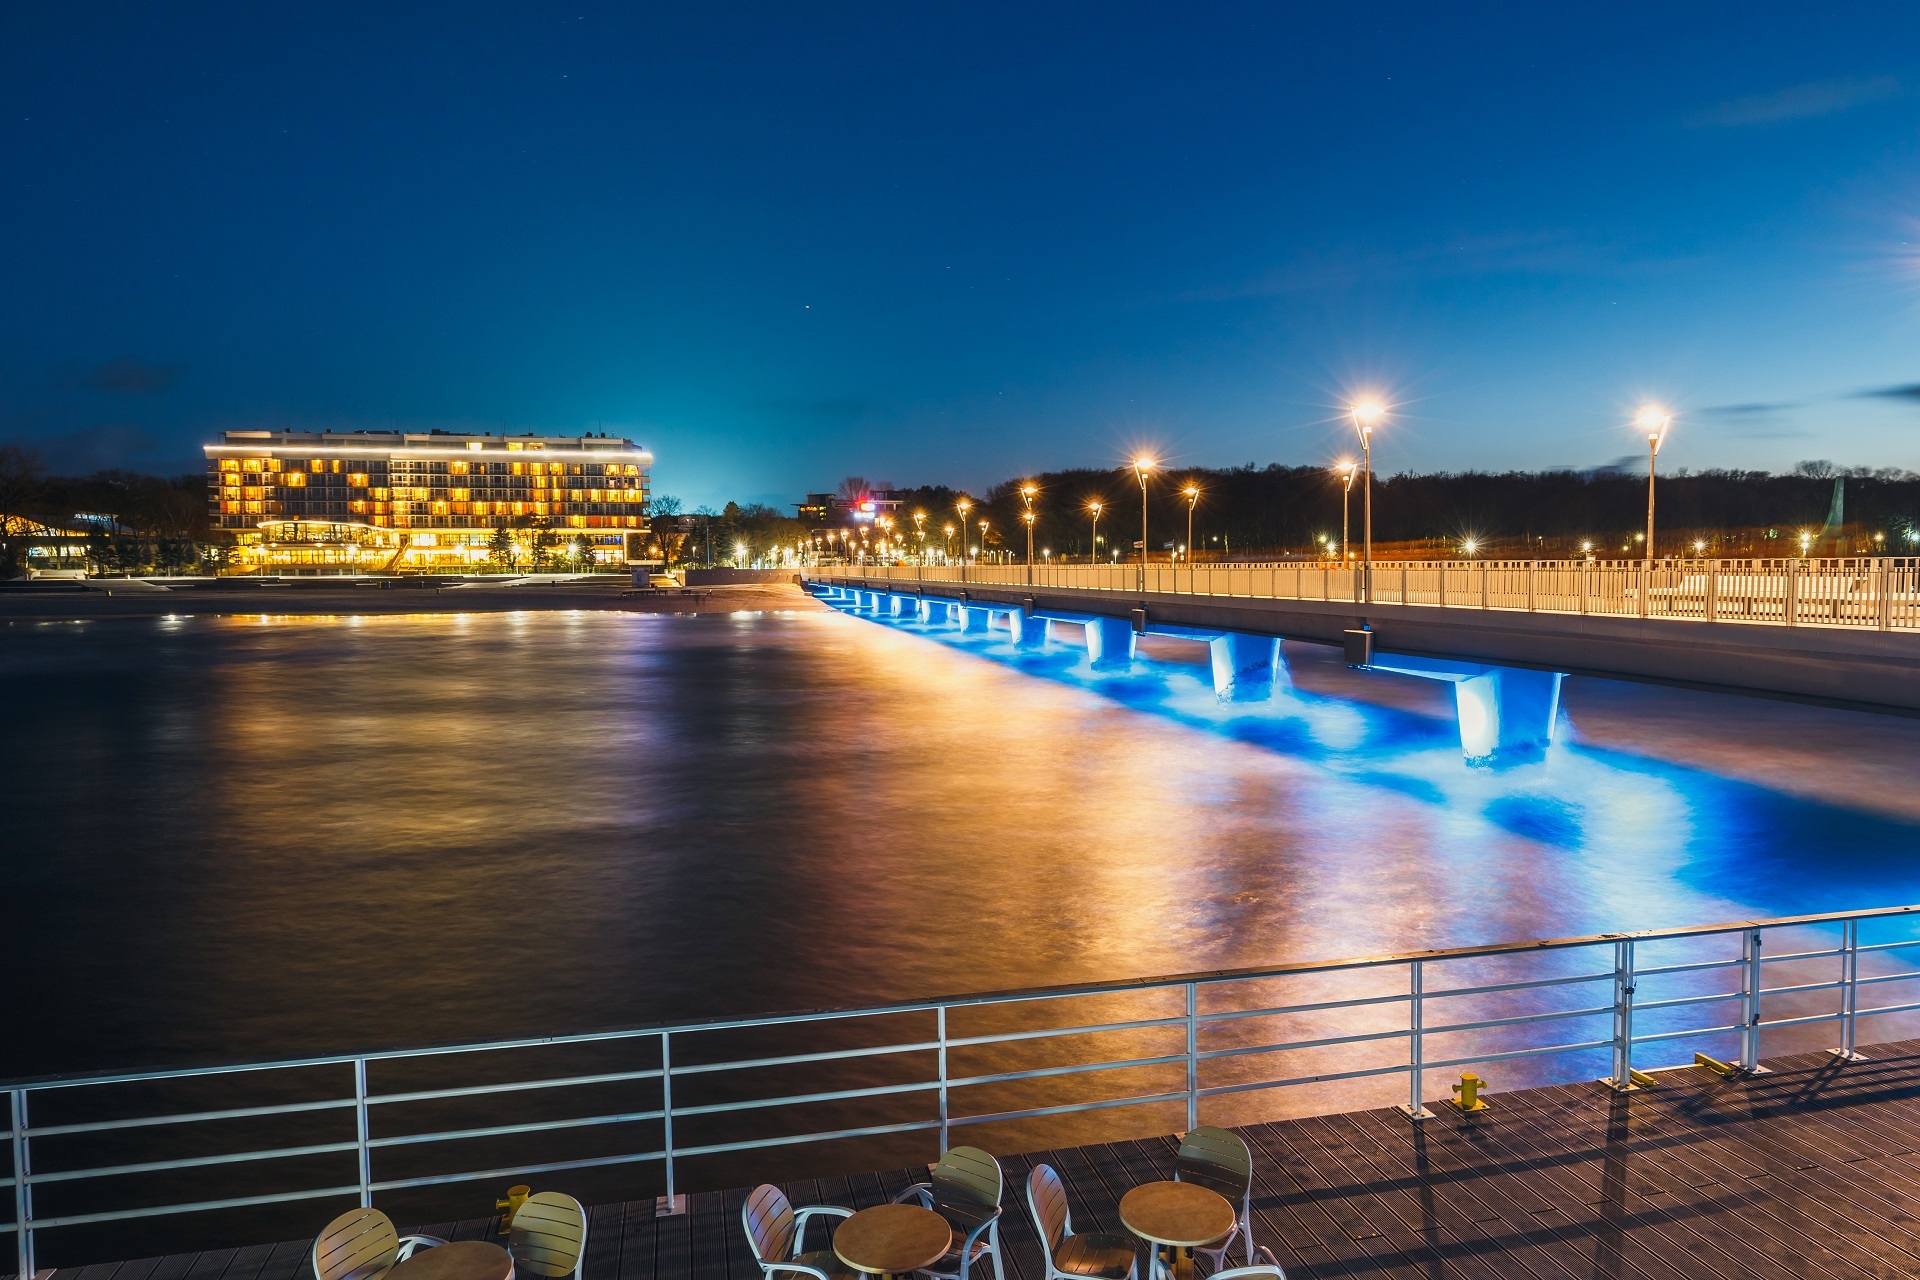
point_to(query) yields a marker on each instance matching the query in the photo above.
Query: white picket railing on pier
(1879, 593)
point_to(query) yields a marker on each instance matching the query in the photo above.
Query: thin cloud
(1797, 102)
(1905, 391)
(127, 376)
(1535, 253)
(1746, 410)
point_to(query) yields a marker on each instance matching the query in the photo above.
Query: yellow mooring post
(1714, 1065)
(1469, 1091)
(1641, 1078)
(516, 1196)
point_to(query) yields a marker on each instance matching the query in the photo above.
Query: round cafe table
(892, 1239)
(1176, 1216)
(461, 1260)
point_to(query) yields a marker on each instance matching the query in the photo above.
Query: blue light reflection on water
(1668, 844)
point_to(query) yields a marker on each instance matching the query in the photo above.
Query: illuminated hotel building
(361, 501)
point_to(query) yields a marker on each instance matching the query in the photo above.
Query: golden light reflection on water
(278, 836)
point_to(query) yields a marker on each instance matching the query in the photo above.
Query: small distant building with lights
(389, 501)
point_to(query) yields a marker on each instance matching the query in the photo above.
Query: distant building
(831, 508)
(321, 502)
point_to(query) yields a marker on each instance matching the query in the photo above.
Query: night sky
(951, 243)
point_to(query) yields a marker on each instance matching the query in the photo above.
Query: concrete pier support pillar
(896, 606)
(1110, 643)
(1506, 715)
(977, 620)
(923, 610)
(1028, 633)
(1246, 668)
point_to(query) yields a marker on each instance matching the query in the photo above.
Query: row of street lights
(1364, 415)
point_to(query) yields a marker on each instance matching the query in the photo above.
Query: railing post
(1483, 584)
(1193, 1057)
(1584, 564)
(1621, 1081)
(940, 1017)
(1530, 565)
(1646, 585)
(666, 1116)
(1403, 584)
(1750, 989)
(1883, 589)
(1849, 991)
(1416, 1109)
(1792, 600)
(22, 1191)
(361, 1126)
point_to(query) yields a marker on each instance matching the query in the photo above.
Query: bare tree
(854, 487)
(20, 477)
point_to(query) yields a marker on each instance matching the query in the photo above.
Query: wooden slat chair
(549, 1236)
(964, 1188)
(1070, 1256)
(776, 1232)
(361, 1244)
(1220, 1161)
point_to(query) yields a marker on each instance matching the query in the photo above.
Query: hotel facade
(434, 502)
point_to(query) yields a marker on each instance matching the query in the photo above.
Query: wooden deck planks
(1811, 1170)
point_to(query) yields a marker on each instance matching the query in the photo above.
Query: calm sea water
(232, 838)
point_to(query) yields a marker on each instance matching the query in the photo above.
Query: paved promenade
(1813, 1170)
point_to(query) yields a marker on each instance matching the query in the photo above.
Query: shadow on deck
(1813, 1170)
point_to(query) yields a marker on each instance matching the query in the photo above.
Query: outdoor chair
(1262, 1272)
(549, 1236)
(777, 1232)
(964, 1188)
(1070, 1256)
(361, 1244)
(1220, 1161)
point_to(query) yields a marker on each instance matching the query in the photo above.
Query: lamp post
(920, 528)
(1346, 501)
(1140, 468)
(1365, 414)
(948, 529)
(1654, 420)
(963, 506)
(1026, 495)
(1093, 548)
(1192, 495)
(983, 539)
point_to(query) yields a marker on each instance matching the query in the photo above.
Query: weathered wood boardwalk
(1813, 1170)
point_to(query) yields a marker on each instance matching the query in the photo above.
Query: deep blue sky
(950, 243)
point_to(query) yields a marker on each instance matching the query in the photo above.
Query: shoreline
(328, 601)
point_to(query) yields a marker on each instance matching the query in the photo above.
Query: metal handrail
(1412, 1031)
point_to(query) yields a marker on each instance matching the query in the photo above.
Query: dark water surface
(234, 838)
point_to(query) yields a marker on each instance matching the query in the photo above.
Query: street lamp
(1192, 494)
(1365, 414)
(1093, 548)
(1140, 468)
(1346, 471)
(983, 539)
(948, 529)
(963, 506)
(1653, 419)
(1026, 495)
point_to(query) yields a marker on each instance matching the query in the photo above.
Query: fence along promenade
(1878, 593)
(951, 1062)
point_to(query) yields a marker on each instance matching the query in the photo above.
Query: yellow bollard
(1640, 1078)
(1469, 1091)
(516, 1196)
(1714, 1065)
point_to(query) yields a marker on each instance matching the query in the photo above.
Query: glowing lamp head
(1094, 507)
(1189, 492)
(1470, 546)
(1143, 465)
(1367, 412)
(964, 506)
(1027, 516)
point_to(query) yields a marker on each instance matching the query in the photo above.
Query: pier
(1812, 1169)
